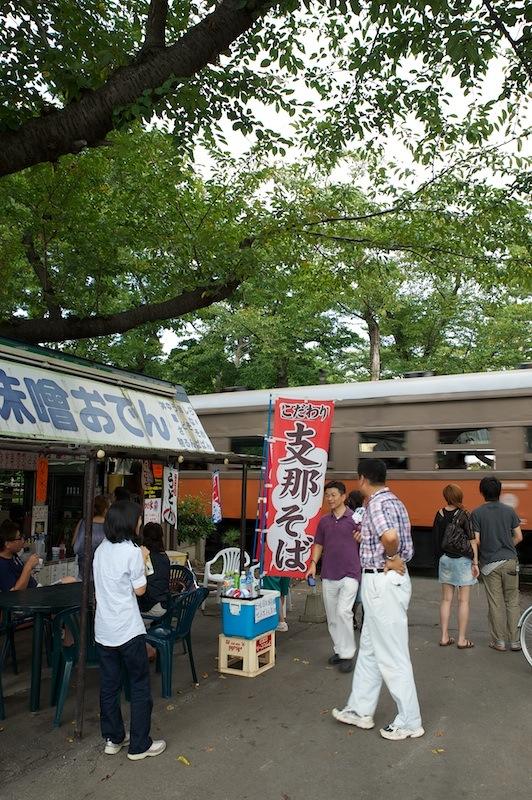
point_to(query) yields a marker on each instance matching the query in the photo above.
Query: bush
(231, 537)
(193, 524)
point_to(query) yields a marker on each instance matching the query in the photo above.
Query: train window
(247, 445)
(381, 441)
(528, 448)
(465, 459)
(394, 463)
(466, 436)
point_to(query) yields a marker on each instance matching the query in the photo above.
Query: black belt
(371, 569)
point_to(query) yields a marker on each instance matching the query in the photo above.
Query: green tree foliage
(74, 71)
(116, 238)
(438, 281)
(290, 264)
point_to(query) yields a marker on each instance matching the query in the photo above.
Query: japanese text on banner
(298, 462)
(52, 406)
(170, 483)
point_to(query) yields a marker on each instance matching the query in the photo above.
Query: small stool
(246, 657)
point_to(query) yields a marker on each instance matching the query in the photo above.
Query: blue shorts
(456, 571)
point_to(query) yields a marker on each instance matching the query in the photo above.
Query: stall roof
(56, 403)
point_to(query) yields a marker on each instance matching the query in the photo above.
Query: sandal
(448, 643)
(498, 647)
(467, 646)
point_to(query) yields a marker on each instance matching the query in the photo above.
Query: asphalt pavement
(273, 737)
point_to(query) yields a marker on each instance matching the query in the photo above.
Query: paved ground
(273, 738)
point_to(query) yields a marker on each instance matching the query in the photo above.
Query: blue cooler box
(250, 618)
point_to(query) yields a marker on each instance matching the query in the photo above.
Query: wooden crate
(246, 657)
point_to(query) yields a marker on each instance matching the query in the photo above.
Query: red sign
(263, 643)
(297, 465)
(41, 481)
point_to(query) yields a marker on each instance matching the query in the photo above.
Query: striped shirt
(384, 511)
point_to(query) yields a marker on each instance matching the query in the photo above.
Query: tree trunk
(239, 352)
(281, 379)
(374, 347)
(86, 122)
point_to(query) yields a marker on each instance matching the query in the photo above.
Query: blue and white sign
(50, 406)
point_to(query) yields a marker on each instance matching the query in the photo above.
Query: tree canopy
(130, 236)
(103, 243)
(72, 72)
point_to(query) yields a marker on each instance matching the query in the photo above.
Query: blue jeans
(131, 658)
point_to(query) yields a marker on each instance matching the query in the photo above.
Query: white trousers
(383, 653)
(338, 599)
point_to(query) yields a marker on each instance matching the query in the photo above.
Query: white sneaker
(157, 747)
(112, 749)
(282, 626)
(352, 718)
(396, 734)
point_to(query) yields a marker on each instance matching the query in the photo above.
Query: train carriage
(429, 430)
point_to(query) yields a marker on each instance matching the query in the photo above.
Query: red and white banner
(216, 498)
(297, 466)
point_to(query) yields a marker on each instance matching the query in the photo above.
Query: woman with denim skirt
(454, 571)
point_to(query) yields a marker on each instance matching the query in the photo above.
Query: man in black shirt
(14, 573)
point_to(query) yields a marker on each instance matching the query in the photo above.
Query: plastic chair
(230, 557)
(173, 627)
(181, 580)
(3, 631)
(65, 657)
(10, 624)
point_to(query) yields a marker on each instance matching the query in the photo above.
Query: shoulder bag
(455, 538)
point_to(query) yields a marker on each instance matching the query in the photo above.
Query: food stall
(55, 405)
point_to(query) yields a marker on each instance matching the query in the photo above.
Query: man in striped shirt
(385, 547)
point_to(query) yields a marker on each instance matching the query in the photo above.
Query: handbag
(455, 539)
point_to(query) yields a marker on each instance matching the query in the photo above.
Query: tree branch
(501, 27)
(48, 330)
(37, 21)
(393, 247)
(41, 272)
(155, 36)
(86, 122)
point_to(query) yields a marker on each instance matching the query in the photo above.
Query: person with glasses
(14, 573)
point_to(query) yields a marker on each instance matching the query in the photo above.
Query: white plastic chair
(230, 557)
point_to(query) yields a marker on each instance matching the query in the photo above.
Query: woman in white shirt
(119, 578)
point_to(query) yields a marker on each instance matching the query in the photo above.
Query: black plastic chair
(65, 657)
(181, 580)
(173, 627)
(12, 623)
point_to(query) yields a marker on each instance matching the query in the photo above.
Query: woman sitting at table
(15, 574)
(154, 601)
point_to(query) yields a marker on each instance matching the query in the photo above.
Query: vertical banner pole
(243, 515)
(88, 499)
(266, 477)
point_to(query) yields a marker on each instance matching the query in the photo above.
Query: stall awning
(55, 402)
